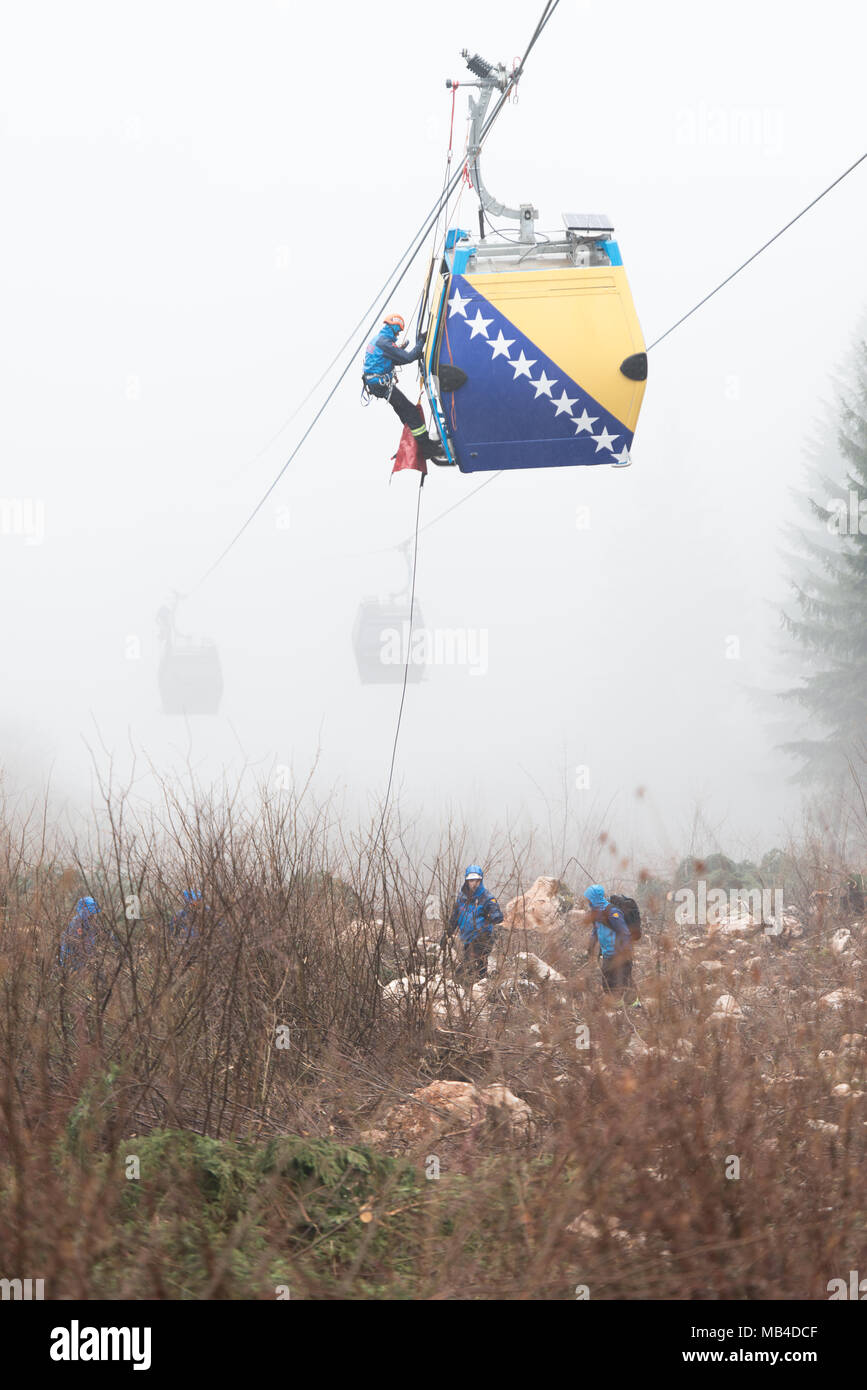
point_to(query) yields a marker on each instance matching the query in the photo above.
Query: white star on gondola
(478, 324)
(501, 346)
(521, 366)
(565, 403)
(621, 460)
(585, 422)
(457, 304)
(543, 384)
(605, 440)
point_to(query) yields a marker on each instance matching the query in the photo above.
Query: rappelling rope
(443, 206)
(448, 186)
(406, 664)
(387, 290)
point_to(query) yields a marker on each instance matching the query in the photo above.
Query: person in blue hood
(185, 924)
(383, 355)
(80, 937)
(474, 916)
(613, 938)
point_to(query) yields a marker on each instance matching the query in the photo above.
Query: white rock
(823, 1126)
(539, 909)
(448, 999)
(729, 923)
(508, 1107)
(441, 1105)
(841, 941)
(838, 999)
(583, 1226)
(429, 945)
(727, 1007)
(537, 969)
(403, 987)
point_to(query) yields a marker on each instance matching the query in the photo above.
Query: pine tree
(827, 619)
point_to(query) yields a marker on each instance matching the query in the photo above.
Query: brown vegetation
(255, 1071)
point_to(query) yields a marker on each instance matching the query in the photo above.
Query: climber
(383, 355)
(79, 940)
(612, 937)
(186, 923)
(475, 914)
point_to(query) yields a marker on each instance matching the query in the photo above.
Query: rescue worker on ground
(475, 915)
(79, 940)
(186, 923)
(613, 939)
(383, 355)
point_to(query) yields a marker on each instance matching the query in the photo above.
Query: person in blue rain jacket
(381, 358)
(613, 939)
(185, 924)
(474, 917)
(79, 940)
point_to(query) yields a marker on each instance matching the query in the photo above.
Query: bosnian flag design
(518, 409)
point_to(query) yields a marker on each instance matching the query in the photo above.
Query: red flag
(408, 455)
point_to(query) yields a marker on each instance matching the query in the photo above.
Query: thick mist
(202, 200)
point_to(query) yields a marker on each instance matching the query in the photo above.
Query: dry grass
(166, 1049)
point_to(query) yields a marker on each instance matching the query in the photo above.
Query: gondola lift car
(534, 356)
(385, 645)
(190, 674)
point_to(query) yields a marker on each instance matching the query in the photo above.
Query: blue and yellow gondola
(534, 361)
(534, 355)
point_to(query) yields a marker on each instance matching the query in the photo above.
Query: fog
(200, 202)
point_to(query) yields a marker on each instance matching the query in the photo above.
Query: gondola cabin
(382, 642)
(190, 678)
(534, 355)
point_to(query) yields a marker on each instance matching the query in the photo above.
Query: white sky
(200, 201)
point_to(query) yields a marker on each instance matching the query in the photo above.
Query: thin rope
(433, 521)
(420, 238)
(406, 666)
(755, 254)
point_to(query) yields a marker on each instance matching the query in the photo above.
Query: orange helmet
(396, 320)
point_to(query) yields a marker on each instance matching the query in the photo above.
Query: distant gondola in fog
(190, 674)
(382, 642)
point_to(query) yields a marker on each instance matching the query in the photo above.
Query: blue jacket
(183, 923)
(475, 914)
(612, 933)
(80, 937)
(383, 354)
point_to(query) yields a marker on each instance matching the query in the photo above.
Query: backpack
(629, 908)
